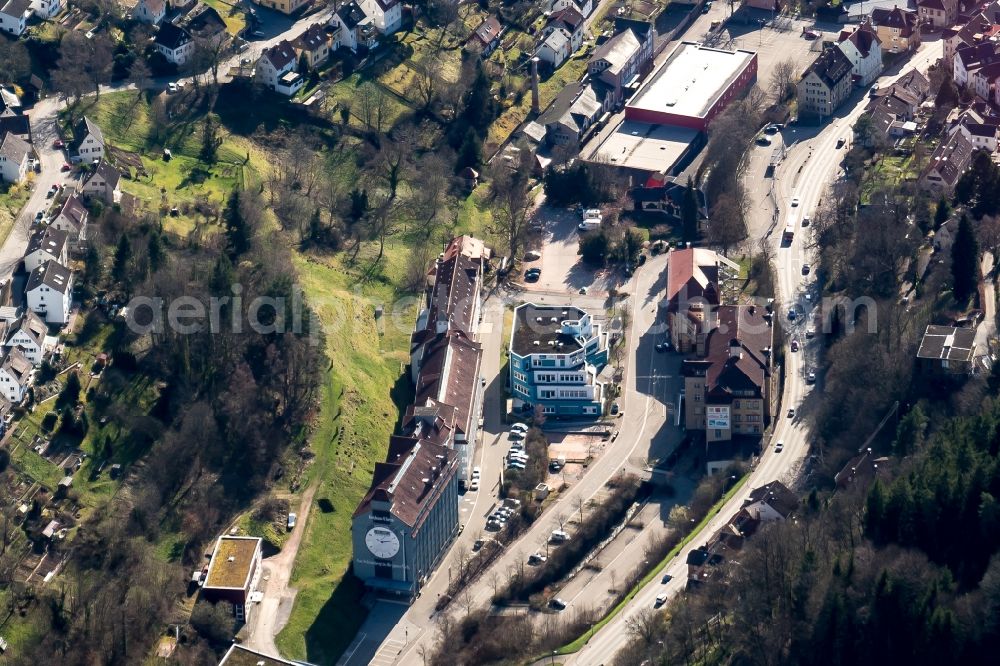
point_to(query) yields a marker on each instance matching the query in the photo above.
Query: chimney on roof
(735, 349)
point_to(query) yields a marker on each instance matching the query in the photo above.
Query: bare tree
(428, 80)
(511, 201)
(643, 625)
(782, 80)
(725, 223)
(579, 502)
(373, 105)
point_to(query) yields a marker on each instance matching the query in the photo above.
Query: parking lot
(560, 265)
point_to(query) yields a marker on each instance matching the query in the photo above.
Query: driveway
(272, 614)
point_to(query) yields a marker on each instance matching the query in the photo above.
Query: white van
(558, 536)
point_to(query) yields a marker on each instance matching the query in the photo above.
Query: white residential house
(562, 36)
(276, 69)
(150, 11)
(88, 142)
(14, 15)
(354, 27)
(556, 47)
(14, 152)
(175, 43)
(28, 333)
(769, 503)
(50, 292)
(72, 219)
(585, 7)
(863, 48)
(386, 14)
(46, 9)
(15, 376)
(46, 244)
(103, 183)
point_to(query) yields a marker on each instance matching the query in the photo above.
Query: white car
(520, 426)
(795, 202)
(474, 486)
(660, 600)
(779, 447)
(477, 472)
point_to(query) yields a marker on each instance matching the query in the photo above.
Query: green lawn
(12, 199)
(127, 121)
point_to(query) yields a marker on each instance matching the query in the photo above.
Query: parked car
(536, 558)
(792, 314)
(291, 521)
(795, 202)
(558, 536)
(771, 129)
(779, 447)
(811, 377)
(660, 599)
(65, 167)
(533, 275)
(474, 485)
(477, 544)
(805, 221)
(666, 579)
(558, 604)
(763, 141)
(791, 412)
(515, 434)
(795, 345)
(58, 144)
(476, 472)
(805, 269)
(40, 216)
(516, 464)
(840, 142)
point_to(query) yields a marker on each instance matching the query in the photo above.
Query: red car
(58, 144)
(66, 167)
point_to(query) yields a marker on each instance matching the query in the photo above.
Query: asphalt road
(819, 158)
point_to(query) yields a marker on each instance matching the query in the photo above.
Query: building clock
(383, 543)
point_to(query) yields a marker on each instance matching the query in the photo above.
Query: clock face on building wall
(383, 543)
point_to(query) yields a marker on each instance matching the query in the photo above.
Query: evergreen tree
(237, 229)
(209, 142)
(70, 395)
(941, 213)
(119, 269)
(479, 106)
(470, 153)
(689, 212)
(92, 263)
(315, 228)
(965, 261)
(155, 251)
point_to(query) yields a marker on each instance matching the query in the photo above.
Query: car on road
(292, 518)
(805, 221)
(840, 142)
(537, 558)
(558, 536)
(795, 345)
(666, 579)
(805, 269)
(763, 141)
(660, 600)
(792, 314)
(771, 129)
(779, 447)
(532, 255)
(39, 216)
(791, 412)
(812, 34)
(65, 167)
(811, 377)
(58, 144)
(615, 408)
(476, 472)
(477, 544)
(474, 485)
(523, 427)
(558, 604)
(795, 202)
(583, 291)
(52, 192)
(533, 274)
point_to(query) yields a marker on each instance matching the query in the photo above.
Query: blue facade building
(556, 355)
